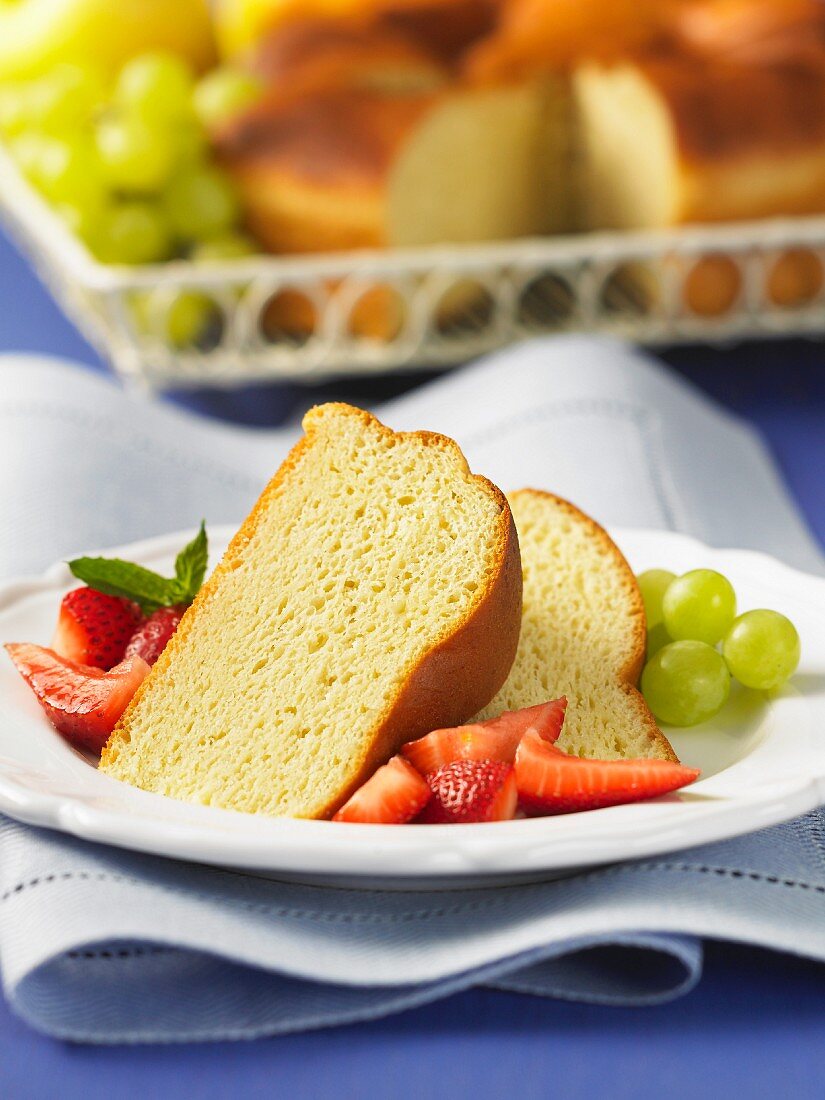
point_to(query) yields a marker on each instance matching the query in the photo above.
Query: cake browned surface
(675, 139)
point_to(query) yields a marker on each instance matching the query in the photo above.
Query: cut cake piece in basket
(583, 633)
(373, 594)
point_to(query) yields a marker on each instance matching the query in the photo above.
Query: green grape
(762, 649)
(181, 321)
(699, 605)
(685, 683)
(156, 86)
(188, 318)
(657, 638)
(191, 146)
(230, 246)
(133, 233)
(653, 584)
(223, 93)
(200, 204)
(65, 171)
(65, 99)
(133, 156)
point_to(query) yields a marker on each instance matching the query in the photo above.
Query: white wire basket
(306, 318)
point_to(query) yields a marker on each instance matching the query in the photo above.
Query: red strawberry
(394, 795)
(471, 742)
(546, 718)
(551, 782)
(150, 638)
(82, 702)
(93, 628)
(471, 790)
(495, 739)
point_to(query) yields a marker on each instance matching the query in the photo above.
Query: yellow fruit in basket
(35, 35)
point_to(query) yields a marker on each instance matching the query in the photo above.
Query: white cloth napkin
(81, 466)
(101, 945)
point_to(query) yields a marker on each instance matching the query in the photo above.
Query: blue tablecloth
(755, 1024)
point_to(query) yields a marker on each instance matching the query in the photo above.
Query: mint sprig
(190, 566)
(148, 589)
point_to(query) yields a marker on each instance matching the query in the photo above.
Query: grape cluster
(127, 164)
(687, 678)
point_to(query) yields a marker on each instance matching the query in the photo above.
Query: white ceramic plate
(762, 761)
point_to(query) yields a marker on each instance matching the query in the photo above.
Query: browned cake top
(345, 136)
(725, 110)
(306, 51)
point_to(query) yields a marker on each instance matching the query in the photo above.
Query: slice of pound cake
(373, 594)
(582, 634)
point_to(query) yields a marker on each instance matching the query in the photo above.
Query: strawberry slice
(83, 703)
(394, 795)
(93, 628)
(471, 742)
(150, 638)
(551, 782)
(495, 739)
(471, 790)
(546, 718)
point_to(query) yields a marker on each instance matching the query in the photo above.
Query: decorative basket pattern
(309, 317)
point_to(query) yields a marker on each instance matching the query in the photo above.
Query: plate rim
(311, 849)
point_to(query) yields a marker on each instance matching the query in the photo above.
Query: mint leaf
(123, 578)
(148, 589)
(190, 566)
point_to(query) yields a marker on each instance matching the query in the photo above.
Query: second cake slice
(582, 635)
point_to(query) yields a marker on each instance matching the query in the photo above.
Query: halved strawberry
(494, 739)
(150, 638)
(471, 790)
(394, 795)
(551, 782)
(93, 628)
(83, 703)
